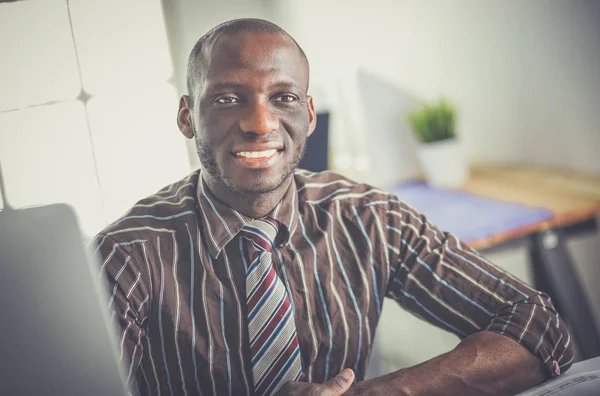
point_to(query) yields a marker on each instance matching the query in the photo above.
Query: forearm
(483, 364)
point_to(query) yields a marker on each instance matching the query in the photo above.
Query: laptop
(55, 335)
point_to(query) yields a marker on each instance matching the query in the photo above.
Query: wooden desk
(574, 201)
(571, 197)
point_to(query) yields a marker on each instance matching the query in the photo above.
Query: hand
(334, 387)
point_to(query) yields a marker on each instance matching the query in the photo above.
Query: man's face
(251, 114)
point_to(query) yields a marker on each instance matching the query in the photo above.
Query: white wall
(525, 77)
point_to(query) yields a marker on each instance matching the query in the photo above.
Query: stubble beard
(210, 166)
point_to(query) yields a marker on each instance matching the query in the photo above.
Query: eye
(227, 100)
(286, 98)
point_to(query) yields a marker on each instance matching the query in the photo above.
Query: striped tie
(271, 328)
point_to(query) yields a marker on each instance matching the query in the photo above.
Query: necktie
(271, 327)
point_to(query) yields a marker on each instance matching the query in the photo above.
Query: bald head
(204, 46)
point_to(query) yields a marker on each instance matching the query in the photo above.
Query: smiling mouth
(260, 159)
(256, 154)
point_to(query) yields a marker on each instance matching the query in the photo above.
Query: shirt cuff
(540, 329)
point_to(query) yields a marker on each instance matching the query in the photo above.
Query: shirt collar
(221, 223)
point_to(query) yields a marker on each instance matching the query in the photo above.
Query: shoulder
(326, 188)
(162, 212)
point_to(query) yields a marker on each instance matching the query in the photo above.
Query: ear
(184, 117)
(312, 116)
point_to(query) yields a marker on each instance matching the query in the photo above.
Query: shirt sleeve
(441, 280)
(128, 299)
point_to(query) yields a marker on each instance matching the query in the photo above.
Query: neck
(252, 205)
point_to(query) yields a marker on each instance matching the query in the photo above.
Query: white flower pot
(444, 163)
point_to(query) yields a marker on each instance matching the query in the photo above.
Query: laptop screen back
(54, 333)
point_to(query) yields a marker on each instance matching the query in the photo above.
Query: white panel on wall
(121, 44)
(38, 57)
(137, 145)
(47, 158)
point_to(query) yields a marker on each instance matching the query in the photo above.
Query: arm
(472, 368)
(506, 326)
(127, 291)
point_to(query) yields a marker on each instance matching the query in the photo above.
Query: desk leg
(555, 274)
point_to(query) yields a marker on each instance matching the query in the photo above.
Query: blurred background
(89, 93)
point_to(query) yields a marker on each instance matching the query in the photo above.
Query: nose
(259, 120)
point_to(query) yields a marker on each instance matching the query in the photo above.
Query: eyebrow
(225, 86)
(234, 86)
(287, 85)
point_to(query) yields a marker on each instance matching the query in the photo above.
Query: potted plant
(439, 152)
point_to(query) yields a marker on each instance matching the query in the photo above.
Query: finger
(338, 384)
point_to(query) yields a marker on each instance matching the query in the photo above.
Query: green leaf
(432, 123)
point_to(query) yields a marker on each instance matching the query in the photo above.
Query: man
(253, 277)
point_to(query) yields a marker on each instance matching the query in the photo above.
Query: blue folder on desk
(470, 217)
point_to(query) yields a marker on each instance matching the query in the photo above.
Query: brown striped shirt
(176, 278)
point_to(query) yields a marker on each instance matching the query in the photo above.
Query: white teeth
(256, 154)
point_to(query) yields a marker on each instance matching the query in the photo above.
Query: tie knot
(261, 232)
